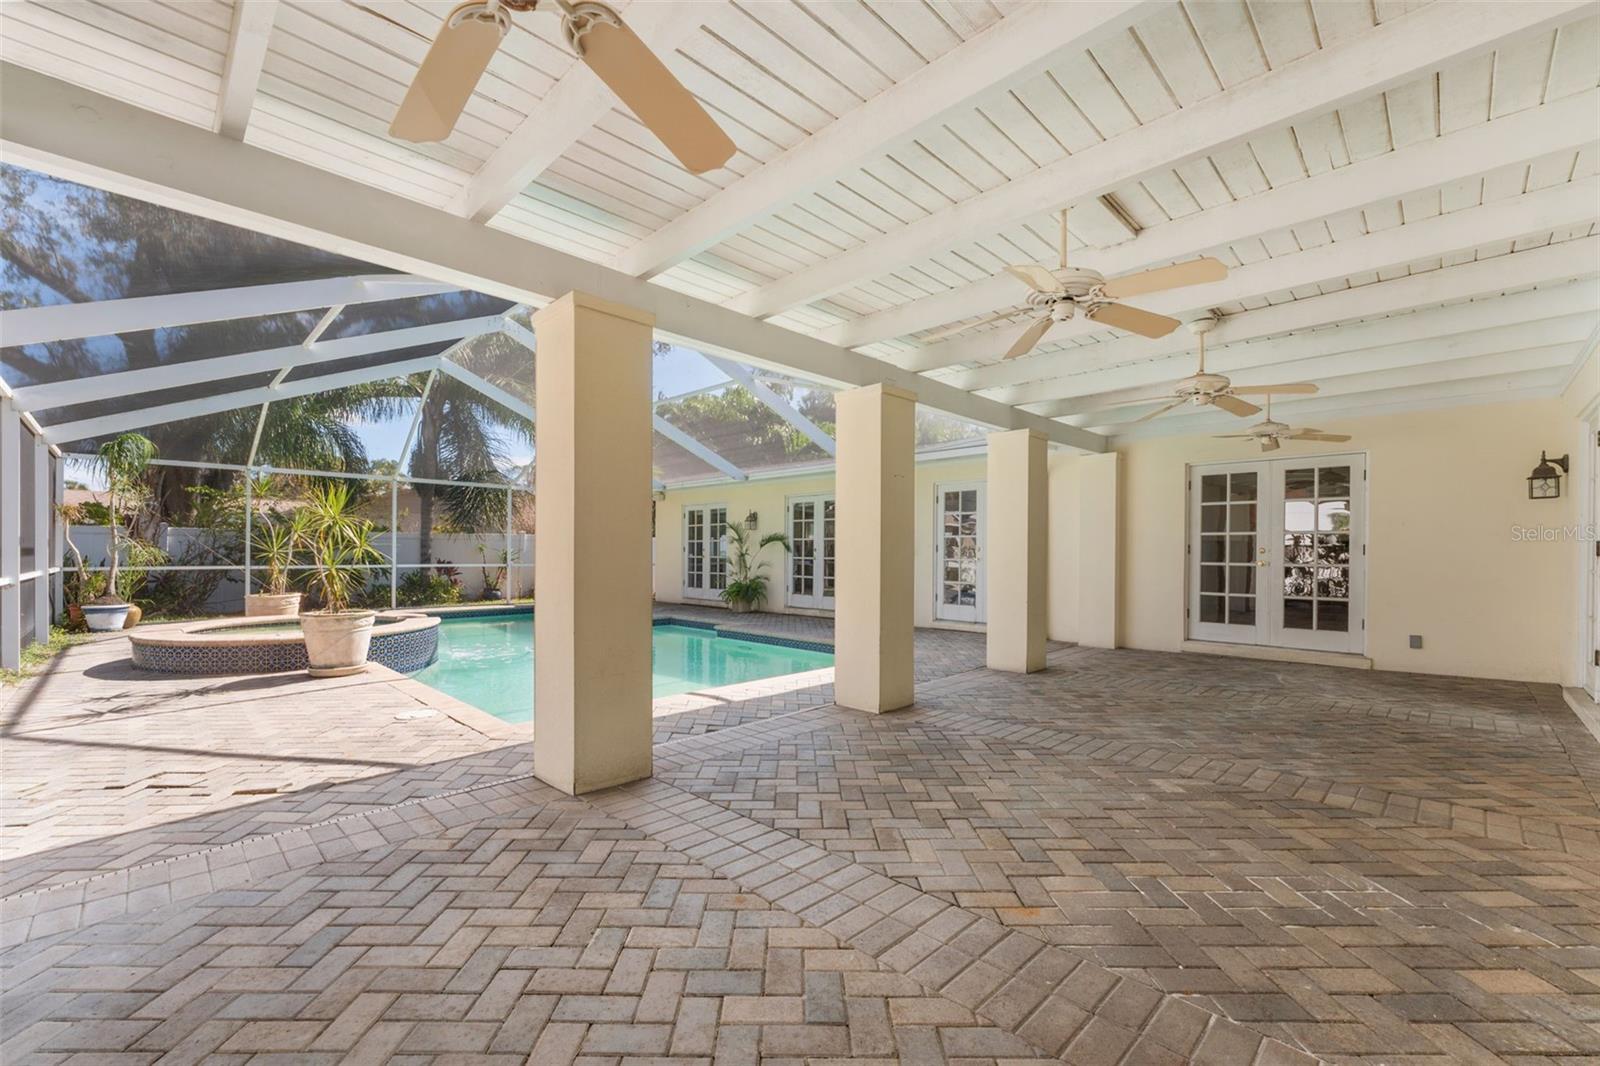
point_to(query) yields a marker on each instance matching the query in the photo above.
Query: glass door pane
(1322, 547)
(802, 554)
(694, 548)
(959, 556)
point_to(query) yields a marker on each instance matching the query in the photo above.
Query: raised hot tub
(405, 641)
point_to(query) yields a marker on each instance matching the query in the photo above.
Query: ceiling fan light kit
(472, 33)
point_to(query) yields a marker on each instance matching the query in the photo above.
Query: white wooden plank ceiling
(1367, 170)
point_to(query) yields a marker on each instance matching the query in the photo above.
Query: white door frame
(975, 612)
(1586, 480)
(1270, 560)
(816, 600)
(712, 548)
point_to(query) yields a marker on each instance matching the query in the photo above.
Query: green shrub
(424, 588)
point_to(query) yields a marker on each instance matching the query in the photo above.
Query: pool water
(488, 662)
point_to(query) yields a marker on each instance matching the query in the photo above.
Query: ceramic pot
(105, 617)
(272, 605)
(337, 644)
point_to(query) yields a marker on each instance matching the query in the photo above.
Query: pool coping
(731, 631)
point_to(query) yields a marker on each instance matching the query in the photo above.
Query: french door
(705, 558)
(1277, 553)
(811, 551)
(958, 555)
(1591, 673)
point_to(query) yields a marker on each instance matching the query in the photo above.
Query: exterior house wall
(768, 498)
(1447, 497)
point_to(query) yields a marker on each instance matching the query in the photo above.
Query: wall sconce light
(1545, 481)
(750, 520)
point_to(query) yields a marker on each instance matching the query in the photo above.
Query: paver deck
(1129, 858)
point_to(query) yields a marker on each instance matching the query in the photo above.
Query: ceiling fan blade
(449, 73)
(1303, 388)
(1031, 336)
(1233, 436)
(1194, 272)
(1270, 444)
(1159, 411)
(1036, 277)
(1144, 323)
(962, 327)
(1235, 406)
(1311, 434)
(643, 83)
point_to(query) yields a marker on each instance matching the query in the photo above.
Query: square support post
(874, 613)
(10, 535)
(43, 494)
(592, 722)
(1016, 543)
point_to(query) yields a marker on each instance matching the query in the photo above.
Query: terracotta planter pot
(75, 614)
(337, 644)
(105, 617)
(135, 616)
(272, 605)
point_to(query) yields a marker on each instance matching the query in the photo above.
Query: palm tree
(464, 436)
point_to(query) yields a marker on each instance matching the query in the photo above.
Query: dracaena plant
(276, 542)
(340, 545)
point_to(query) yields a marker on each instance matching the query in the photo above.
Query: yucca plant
(747, 571)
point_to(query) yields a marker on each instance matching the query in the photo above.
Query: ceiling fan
(472, 32)
(1270, 435)
(1066, 292)
(1214, 390)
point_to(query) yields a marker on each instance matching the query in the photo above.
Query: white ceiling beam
(571, 108)
(1565, 125)
(1528, 215)
(696, 449)
(1051, 373)
(221, 367)
(1264, 362)
(58, 128)
(1399, 50)
(1535, 384)
(1350, 382)
(59, 322)
(484, 387)
(776, 402)
(241, 70)
(105, 425)
(1017, 47)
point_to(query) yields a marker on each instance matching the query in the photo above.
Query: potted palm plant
(122, 461)
(275, 542)
(340, 545)
(747, 579)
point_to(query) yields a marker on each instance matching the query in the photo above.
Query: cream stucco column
(874, 602)
(592, 568)
(1015, 543)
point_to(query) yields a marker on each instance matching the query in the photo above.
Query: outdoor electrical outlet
(1416, 641)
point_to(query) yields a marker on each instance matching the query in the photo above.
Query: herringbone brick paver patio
(1131, 858)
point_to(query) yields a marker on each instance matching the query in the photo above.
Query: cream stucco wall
(1447, 490)
(768, 497)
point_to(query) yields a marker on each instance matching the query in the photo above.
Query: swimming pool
(488, 662)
